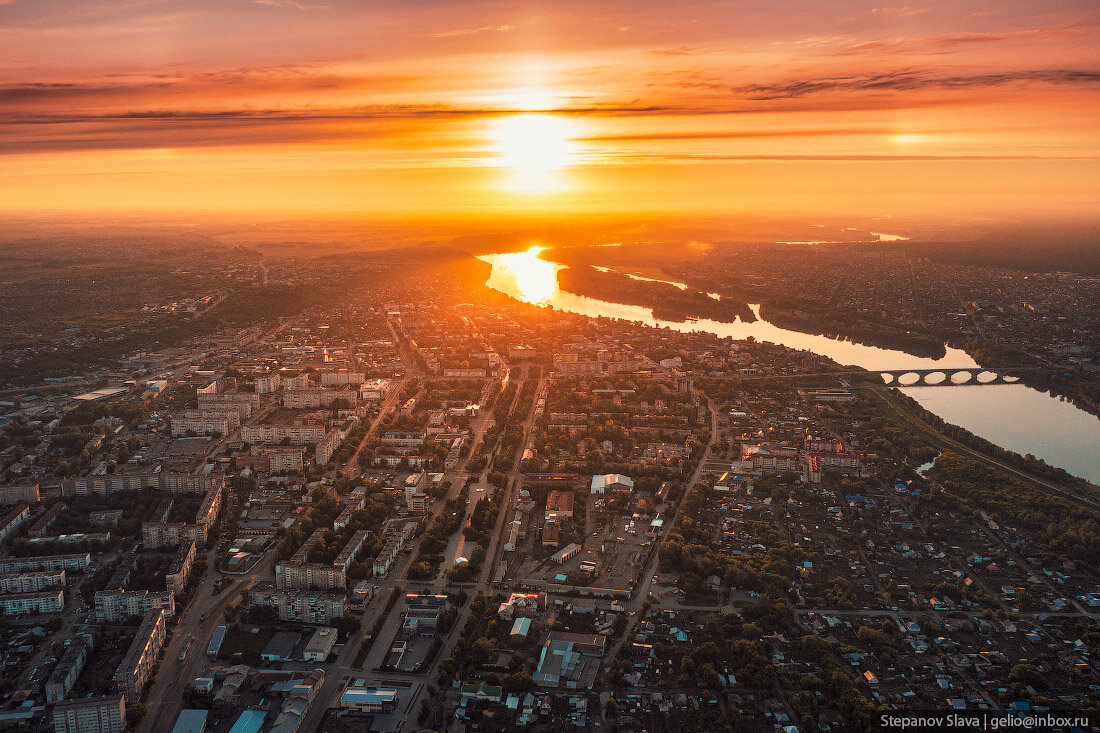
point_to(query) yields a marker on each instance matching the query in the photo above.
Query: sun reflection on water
(523, 273)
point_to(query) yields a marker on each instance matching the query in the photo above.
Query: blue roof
(191, 721)
(250, 722)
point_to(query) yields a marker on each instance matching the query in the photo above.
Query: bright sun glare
(535, 279)
(534, 147)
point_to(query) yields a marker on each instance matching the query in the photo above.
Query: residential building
(116, 605)
(342, 378)
(300, 433)
(303, 606)
(91, 715)
(183, 426)
(77, 561)
(327, 446)
(162, 480)
(283, 458)
(13, 520)
(244, 402)
(68, 668)
(47, 601)
(268, 384)
(30, 582)
(16, 493)
(314, 397)
(42, 524)
(231, 417)
(180, 569)
(137, 666)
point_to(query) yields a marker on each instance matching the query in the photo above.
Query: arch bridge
(948, 377)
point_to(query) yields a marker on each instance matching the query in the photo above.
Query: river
(1011, 415)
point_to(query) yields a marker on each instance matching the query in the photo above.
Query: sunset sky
(490, 107)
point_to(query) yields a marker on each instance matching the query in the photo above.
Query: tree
(134, 714)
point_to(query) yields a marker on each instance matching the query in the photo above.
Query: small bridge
(948, 377)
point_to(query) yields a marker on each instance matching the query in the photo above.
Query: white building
(91, 715)
(611, 482)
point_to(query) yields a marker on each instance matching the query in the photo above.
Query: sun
(534, 147)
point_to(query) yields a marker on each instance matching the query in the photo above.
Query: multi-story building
(200, 426)
(208, 510)
(137, 666)
(300, 381)
(91, 715)
(300, 433)
(180, 569)
(313, 397)
(170, 534)
(268, 384)
(47, 601)
(327, 447)
(283, 459)
(15, 493)
(42, 524)
(115, 605)
(68, 669)
(374, 390)
(31, 582)
(297, 576)
(155, 535)
(162, 480)
(303, 606)
(351, 550)
(233, 417)
(13, 520)
(76, 561)
(243, 402)
(341, 378)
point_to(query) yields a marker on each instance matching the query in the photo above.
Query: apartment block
(300, 433)
(68, 668)
(15, 493)
(17, 604)
(31, 582)
(13, 520)
(180, 569)
(243, 402)
(313, 397)
(137, 666)
(268, 384)
(199, 426)
(163, 480)
(232, 417)
(91, 715)
(303, 606)
(327, 446)
(115, 605)
(76, 561)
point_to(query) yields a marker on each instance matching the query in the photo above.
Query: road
(164, 699)
(645, 579)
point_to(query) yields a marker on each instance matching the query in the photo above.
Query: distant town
(290, 502)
